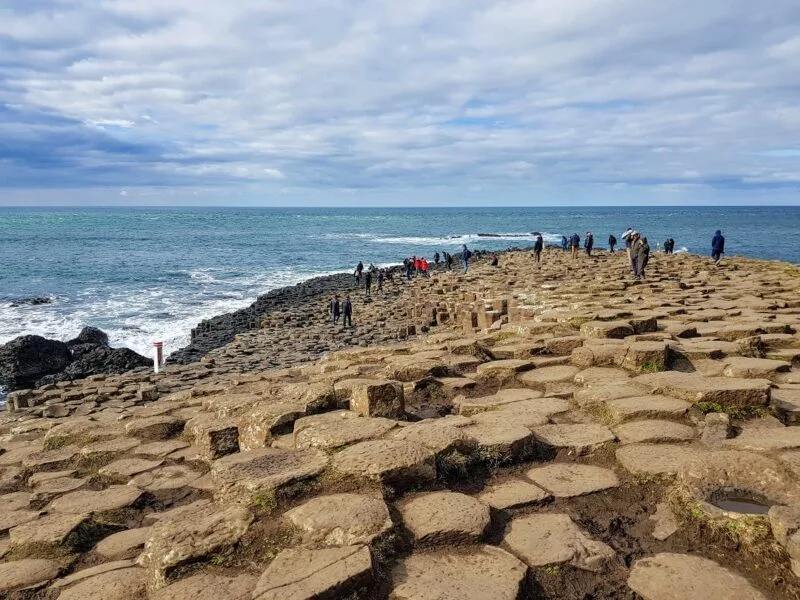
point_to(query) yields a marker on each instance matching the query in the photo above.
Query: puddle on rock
(746, 506)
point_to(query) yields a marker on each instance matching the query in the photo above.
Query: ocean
(147, 274)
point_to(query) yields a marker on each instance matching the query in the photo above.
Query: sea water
(147, 274)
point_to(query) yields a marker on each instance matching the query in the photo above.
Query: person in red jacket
(424, 266)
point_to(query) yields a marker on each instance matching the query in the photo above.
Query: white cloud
(334, 94)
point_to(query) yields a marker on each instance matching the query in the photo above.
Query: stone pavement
(561, 429)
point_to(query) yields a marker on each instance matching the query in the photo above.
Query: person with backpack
(335, 309)
(612, 241)
(717, 246)
(359, 270)
(465, 256)
(575, 244)
(538, 246)
(347, 308)
(588, 243)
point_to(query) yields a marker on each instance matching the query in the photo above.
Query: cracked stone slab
(512, 494)
(692, 387)
(128, 467)
(121, 584)
(566, 480)
(390, 461)
(445, 518)
(209, 585)
(656, 459)
(112, 498)
(438, 435)
(299, 574)
(784, 438)
(578, 439)
(686, 577)
(119, 544)
(331, 430)
(30, 572)
(653, 431)
(471, 406)
(485, 573)
(55, 529)
(638, 407)
(341, 519)
(241, 477)
(539, 379)
(189, 535)
(548, 539)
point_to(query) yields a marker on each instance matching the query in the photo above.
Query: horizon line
(436, 206)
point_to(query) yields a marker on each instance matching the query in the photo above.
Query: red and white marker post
(158, 355)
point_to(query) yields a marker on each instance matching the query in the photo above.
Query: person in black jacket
(347, 307)
(368, 283)
(717, 247)
(537, 248)
(612, 241)
(588, 243)
(335, 309)
(642, 251)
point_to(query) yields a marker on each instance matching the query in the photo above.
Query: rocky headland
(557, 431)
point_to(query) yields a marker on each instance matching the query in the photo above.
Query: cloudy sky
(281, 102)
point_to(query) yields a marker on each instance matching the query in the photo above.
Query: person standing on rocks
(449, 260)
(717, 247)
(588, 243)
(612, 241)
(380, 280)
(642, 249)
(537, 248)
(348, 312)
(575, 244)
(368, 284)
(465, 256)
(359, 270)
(335, 309)
(564, 243)
(436, 258)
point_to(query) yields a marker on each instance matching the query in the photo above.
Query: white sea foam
(451, 240)
(136, 319)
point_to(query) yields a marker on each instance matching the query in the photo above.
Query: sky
(367, 102)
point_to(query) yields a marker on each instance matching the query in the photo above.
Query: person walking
(575, 244)
(717, 246)
(368, 284)
(465, 256)
(588, 243)
(612, 241)
(537, 248)
(642, 249)
(335, 309)
(347, 308)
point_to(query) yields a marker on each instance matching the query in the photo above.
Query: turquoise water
(145, 274)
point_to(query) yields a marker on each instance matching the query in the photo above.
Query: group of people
(638, 251)
(338, 308)
(574, 244)
(371, 273)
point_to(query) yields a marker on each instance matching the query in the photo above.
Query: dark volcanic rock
(92, 360)
(26, 359)
(32, 301)
(218, 331)
(90, 335)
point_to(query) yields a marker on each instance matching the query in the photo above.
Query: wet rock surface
(550, 431)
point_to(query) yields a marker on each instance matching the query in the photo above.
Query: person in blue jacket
(465, 256)
(564, 243)
(717, 246)
(575, 244)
